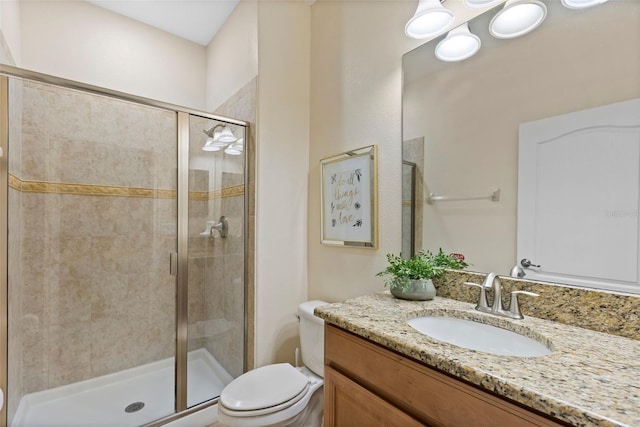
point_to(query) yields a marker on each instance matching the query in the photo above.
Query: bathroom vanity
(366, 383)
(380, 371)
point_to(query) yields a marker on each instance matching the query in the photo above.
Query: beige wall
(356, 74)
(282, 153)
(59, 37)
(10, 29)
(232, 55)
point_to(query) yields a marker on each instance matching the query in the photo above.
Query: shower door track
(183, 114)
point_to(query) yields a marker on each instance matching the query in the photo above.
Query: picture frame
(349, 198)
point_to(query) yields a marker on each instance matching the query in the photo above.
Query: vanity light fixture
(581, 4)
(517, 18)
(481, 3)
(236, 148)
(210, 145)
(430, 19)
(218, 139)
(227, 136)
(459, 45)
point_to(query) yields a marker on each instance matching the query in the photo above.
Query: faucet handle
(476, 284)
(482, 299)
(514, 306)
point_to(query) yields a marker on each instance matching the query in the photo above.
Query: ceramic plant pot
(414, 290)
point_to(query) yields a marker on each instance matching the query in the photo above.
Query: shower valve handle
(222, 226)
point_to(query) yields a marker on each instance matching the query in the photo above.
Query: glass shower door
(92, 219)
(216, 248)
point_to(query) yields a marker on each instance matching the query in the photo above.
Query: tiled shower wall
(95, 221)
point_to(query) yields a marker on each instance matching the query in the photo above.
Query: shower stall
(124, 255)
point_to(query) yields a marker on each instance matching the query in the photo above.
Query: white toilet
(280, 394)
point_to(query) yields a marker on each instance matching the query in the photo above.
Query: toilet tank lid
(263, 387)
(306, 308)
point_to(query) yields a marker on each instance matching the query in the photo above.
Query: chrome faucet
(491, 281)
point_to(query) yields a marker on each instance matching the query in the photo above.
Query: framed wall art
(348, 192)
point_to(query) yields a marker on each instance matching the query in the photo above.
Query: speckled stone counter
(590, 379)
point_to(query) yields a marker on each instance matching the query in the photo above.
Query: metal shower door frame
(4, 249)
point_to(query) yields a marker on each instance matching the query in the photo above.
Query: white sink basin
(478, 336)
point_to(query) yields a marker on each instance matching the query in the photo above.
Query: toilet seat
(264, 390)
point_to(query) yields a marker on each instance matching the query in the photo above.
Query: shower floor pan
(128, 398)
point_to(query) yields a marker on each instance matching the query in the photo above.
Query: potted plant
(411, 278)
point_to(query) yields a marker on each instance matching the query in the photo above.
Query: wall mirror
(461, 123)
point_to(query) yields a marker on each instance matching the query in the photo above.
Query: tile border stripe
(45, 187)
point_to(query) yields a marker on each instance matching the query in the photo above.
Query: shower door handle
(173, 263)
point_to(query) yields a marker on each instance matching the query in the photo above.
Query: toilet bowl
(281, 394)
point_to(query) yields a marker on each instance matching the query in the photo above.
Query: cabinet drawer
(351, 405)
(424, 393)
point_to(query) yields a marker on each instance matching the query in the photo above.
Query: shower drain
(134, 407)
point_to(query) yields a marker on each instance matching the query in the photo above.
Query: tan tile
(35, 339)
(69, 352)
(69, 258)
(111, 254)
(69, 302)
(112, 165)
(69, 115)
(70, 161)
(118, 343)
(35, 382)
(35, 111)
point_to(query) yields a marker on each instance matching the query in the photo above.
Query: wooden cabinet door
(348, 404)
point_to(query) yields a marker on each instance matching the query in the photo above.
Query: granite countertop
(590, 379)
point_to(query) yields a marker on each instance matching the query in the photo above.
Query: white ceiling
(195, 20)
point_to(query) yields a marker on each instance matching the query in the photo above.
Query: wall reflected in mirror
(467, 115)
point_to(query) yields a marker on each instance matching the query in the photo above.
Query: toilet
(280, 394)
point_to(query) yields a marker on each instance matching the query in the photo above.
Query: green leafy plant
(423, 265)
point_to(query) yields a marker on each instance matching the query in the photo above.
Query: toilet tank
(312, 336)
